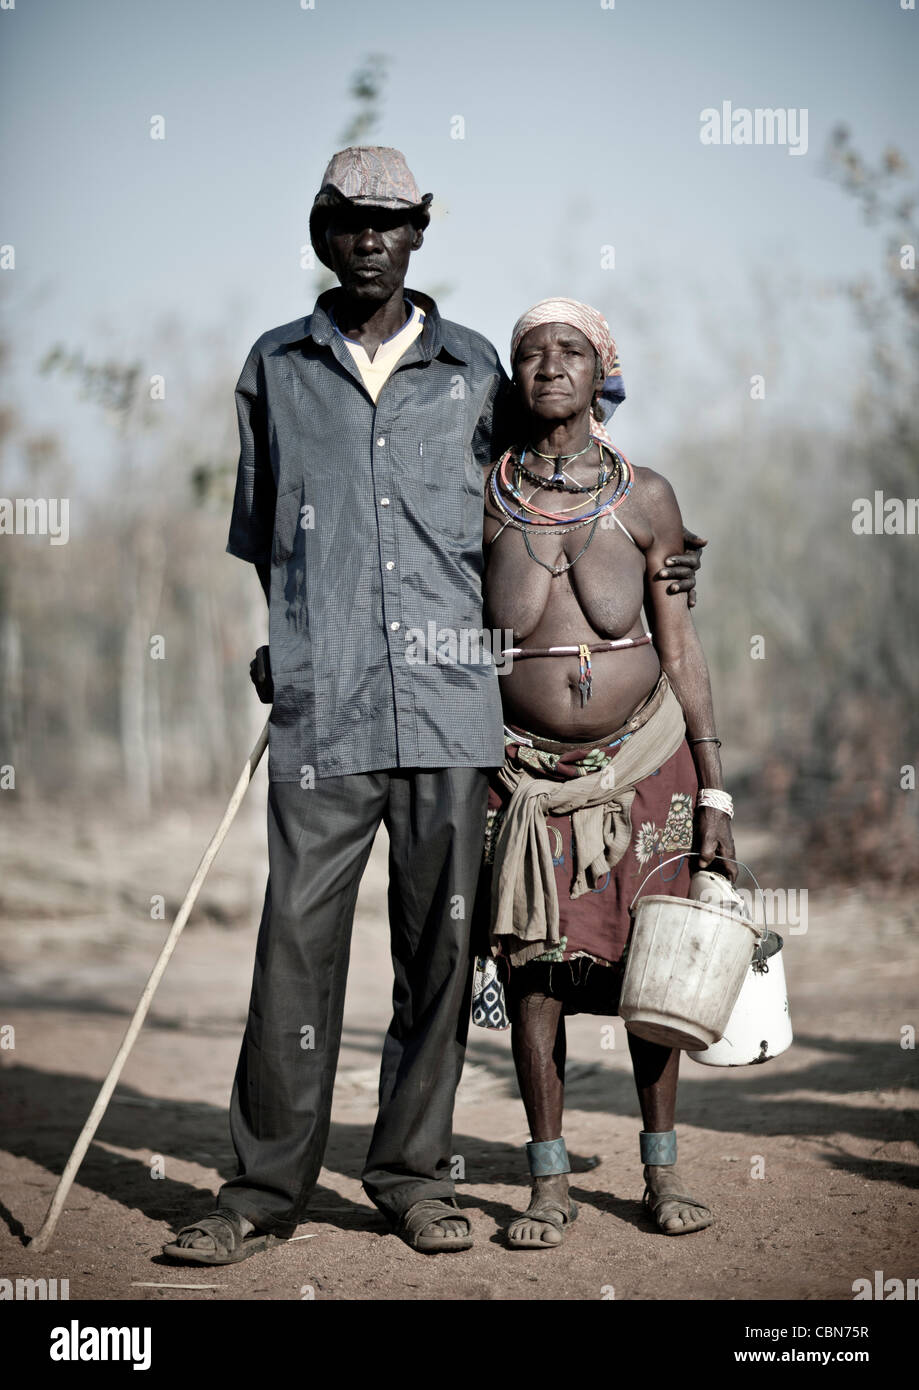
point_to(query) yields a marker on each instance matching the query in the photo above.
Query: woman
(609, 736)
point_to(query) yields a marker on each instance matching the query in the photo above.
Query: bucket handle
(694, 853)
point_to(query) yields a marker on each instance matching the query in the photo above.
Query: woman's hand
(714, 841)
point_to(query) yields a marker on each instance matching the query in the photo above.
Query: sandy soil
(833, 1120)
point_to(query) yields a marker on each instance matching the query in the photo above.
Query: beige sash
(524, 900)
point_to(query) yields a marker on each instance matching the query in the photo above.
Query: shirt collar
(437, 337)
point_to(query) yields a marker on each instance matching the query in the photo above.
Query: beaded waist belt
(582, 651)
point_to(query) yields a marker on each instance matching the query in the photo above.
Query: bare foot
(549, 1212)
(199, 1240)
(674, 1212)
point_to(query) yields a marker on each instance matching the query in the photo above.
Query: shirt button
(381, 442)
(394, 626)
(384, 501)
(390, 564)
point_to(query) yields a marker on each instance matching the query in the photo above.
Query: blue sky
(581, 130)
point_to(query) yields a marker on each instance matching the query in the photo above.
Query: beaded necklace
(553, 524)
(526, 502)
(514, 518)
(557, 459)
(521, 471)
(556, 570)
(557, 481)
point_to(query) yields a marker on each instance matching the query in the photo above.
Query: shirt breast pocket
(452, 502)
(286, 523)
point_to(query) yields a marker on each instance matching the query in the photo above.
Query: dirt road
(831, 1125)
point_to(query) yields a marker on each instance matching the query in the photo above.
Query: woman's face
(555, 370)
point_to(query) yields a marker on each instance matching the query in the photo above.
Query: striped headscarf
(595, 329)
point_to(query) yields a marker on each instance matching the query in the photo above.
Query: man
(365, 429)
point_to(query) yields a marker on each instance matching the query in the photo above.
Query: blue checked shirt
(370, 517)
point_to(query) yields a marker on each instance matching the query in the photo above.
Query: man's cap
(367, 176)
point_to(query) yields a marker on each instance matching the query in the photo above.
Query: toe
(197, 1241)
(686, 1216)
(449, 1229)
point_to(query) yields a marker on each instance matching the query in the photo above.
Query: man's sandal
(659, 1148)
(413, 1223)
(231, 1245)
(545, 1158)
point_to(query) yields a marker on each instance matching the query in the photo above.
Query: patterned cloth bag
(489, 1009)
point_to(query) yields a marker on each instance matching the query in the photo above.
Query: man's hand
(260, 675)
(680, 570)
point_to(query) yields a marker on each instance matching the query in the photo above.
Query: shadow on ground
(42, 1113)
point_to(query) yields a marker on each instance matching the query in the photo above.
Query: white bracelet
(716, 800)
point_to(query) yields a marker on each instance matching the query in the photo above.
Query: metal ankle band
(548, 1156)
(657, 1147)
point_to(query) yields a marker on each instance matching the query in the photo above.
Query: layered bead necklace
(557, 523)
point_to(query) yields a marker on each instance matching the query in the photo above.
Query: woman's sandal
(654, 1201)
(659, 1147)
(547, 1211)
(413, 1223)
(231, 1245)
(546, 1157)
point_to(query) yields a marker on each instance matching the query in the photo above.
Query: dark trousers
(319, 841)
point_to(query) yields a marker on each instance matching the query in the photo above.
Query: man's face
(369, 249)
(556, 371)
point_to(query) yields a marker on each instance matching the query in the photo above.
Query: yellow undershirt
(376, 371)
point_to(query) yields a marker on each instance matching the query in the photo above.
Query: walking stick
(40, 1241)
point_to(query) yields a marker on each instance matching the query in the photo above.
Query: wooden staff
(40, 1241)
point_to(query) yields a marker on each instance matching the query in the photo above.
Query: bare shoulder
(652, 489)
(655, 496)
(655, 503)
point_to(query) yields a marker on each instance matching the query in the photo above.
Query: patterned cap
(374, 174)
(369, 176)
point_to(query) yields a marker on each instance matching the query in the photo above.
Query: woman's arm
(683, 660)
(679, 572)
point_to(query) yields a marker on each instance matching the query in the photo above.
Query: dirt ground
(832, 1122)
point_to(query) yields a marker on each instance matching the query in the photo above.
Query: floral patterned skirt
(597, 924)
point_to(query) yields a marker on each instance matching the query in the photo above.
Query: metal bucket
(760, 1024)
(685, 968)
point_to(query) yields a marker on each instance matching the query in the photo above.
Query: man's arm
(252, 519)
(494, 428)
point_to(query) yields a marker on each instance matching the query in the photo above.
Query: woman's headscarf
(595, 329)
